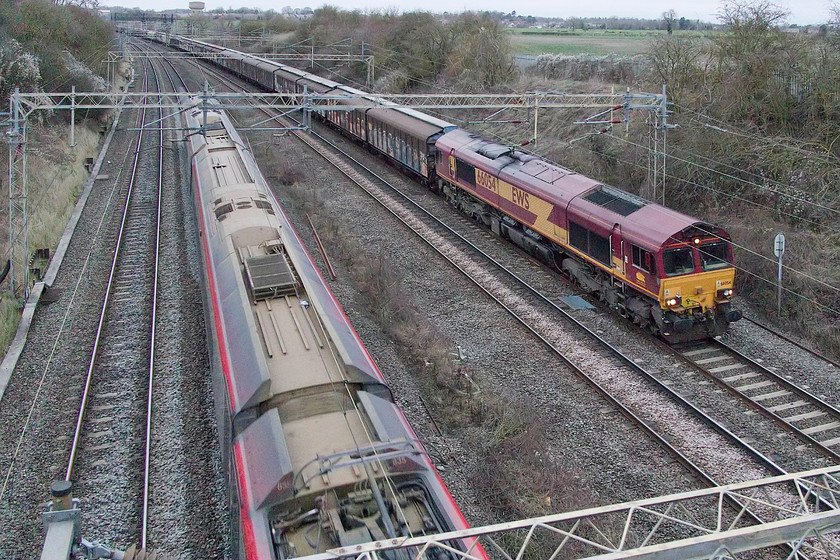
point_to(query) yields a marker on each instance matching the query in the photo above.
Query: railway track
(599, 364)
(109, 457)
(135, 480)
(811, 419)
(789, 340)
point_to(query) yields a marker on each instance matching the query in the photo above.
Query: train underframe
(642, 310)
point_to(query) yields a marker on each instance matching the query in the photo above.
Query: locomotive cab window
(715, 255)
(678, 261)
(643, 260)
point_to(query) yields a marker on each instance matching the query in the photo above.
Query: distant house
(296, 13)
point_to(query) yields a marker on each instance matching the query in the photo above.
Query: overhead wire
(718, 191)
(790, 269)
(744, 248)
(784, 267)
(784, 142)
(740, 179)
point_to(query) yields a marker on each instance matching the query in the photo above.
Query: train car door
(617, 249)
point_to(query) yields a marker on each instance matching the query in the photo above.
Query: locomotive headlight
(726, 294)
(673, 302)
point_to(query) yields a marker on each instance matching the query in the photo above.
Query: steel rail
(144, 518)
(814, 401)
(612, 400)
(767, 462)
(105, 301)
(321, 248)
(119, 248)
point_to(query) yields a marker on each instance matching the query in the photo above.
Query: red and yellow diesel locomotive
(666, 271)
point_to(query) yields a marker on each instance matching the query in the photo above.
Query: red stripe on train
(246, 520)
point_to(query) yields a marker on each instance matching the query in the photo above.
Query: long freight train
(321, 456)
(664, 270)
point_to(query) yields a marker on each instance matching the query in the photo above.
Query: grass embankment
(56, 174)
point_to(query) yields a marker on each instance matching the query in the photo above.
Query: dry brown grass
(516, 477)
(56, 176)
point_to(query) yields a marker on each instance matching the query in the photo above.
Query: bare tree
(756, 64)
(834, 12)
(483, 57)
(91, 4)
(674, 61)
(669, 18)
(752, 25)
(751, 17)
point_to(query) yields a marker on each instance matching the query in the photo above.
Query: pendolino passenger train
(321, 456)
(666, 271)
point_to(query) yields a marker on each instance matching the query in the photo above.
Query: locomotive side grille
(269, 276)
(616, 200)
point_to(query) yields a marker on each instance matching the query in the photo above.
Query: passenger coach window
(223, 210)
(714, 255)
(678, 261)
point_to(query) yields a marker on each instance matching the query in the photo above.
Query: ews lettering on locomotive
(484, 179)
(520, 198)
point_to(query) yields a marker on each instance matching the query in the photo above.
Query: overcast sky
(801, 11)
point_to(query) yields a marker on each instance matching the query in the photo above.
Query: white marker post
(779, 250)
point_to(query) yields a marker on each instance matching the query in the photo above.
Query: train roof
(409, 122)
(264, 64)
(649, 224)
(209, 46)
(429, 119)
(652, 226)
(320, 81)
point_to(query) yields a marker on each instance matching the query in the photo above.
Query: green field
(596, 42)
